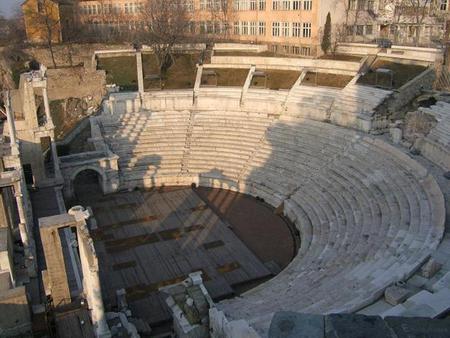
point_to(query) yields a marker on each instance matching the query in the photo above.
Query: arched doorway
(87, 185)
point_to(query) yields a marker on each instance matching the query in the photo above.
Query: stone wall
(330, 66)
(82, 53)
(221, 327)
(228, 47)
(403, 96)
(429, 55)
(77, 82)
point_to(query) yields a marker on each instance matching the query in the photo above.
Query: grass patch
(341, 57)
(326, 80)
(225, 77)
(243, 53)
(275, 79)
(402, 74)
(179, 76)
(120, 70)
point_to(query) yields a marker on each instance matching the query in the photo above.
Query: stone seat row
(368, 214)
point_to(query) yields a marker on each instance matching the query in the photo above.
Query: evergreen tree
(326, 39)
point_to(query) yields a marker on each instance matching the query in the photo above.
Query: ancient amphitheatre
(355, 200)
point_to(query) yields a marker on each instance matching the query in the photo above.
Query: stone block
(419, 327)
(395, 294)
(396, 135)
(430, 268)
(356, 326)
(296, 325)
(442, 283)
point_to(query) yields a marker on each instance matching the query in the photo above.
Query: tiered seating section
(435, 146)
(368, 214)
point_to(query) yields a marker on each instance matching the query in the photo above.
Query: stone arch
(69, 181)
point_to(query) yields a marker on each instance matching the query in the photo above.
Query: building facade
(287, 26)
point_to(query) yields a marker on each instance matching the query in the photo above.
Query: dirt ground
(267, 235)
(276, 79)
(327, 80)
(225, 77)
(402, 74)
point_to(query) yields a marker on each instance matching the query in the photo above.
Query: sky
(8, 7)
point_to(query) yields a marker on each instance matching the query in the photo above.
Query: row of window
(277, 5)
(128, 8)
(239, 5)
(286, 29)
(294, 29)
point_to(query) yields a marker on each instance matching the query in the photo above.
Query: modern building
(287, 26)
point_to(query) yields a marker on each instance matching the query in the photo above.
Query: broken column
(140, 72)
(91, 278)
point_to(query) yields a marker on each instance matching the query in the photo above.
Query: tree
(43, 24)
(167, 24)
(326, 38)
(420, 9)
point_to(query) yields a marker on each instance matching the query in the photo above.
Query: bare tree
(420, 9)
(167, 24)
(45, 22)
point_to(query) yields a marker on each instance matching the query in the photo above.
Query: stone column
(91, 280)
(47, 108)
(55, 159)
(26, 232)
(140, 72)
(11, 126)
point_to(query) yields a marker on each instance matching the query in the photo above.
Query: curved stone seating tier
(435, 146)
(356, 104)
(367, 213)
(311, 102)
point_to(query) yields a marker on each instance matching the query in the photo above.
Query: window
(276, 5)
(286, 5)
(307, 29)
(262, 28)
(285, 29)
(295, 50)
(371, 5)
(262, 5)
(236, 30)
(350, 30)
(244, 27)
(307, 5)
(306, 51)
(275, 29)
(296, 5)
(253, 28)
(369, 30)
(352, 4)
(359, 29)
(203, 4)
(296, 29)
(361, 5)
(443, 5)
(253, 5)
(40, 7)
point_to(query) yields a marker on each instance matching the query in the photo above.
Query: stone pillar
(11, 126)
(56, 269)
(47, 108)
(55, 159)
(26, 232)
(140, 72)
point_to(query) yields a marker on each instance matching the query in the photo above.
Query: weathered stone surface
(419, 327)
(396, 135)
(442, 283)
(356, 326)
(296, 325)
(396, 294)
(430, 268)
